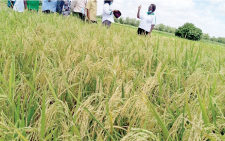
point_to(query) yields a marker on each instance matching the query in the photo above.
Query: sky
(208, 15)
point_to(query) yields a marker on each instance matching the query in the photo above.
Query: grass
(61, 79)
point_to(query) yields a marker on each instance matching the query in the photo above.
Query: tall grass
(62, 79)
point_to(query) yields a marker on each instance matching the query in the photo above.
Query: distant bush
(128, 21)
(189, 31)
(221, 40)
(99, 16)
(160, 27)
(121, 21)
(205, 36)
(164, 28)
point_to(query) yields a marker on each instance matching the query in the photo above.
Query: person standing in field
(66, 8)
(32, 5)
(148, 20)
(78, 8)
(11, 3)
(19, 5)
(107, 14)
(63, 7)
(92, 11)
(49, 6)
(59, 6)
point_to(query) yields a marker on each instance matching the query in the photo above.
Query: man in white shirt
(107, 14)
(148, 20)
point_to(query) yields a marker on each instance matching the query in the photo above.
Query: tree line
(206, 36)
(188, 30)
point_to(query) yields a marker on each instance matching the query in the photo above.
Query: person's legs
(139, 31)
(79, 15)
(106, 23)
(75, 14)
(142, 32)
(33, 10)
(59, 6)
(47, 11)
(146, 32)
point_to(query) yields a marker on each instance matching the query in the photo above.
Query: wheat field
(62, 79)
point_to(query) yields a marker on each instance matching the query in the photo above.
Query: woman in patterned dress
(63, 7)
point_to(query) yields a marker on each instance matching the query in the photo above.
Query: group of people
(78, 8)
(85, 10)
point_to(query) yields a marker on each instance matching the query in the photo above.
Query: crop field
(62, 79)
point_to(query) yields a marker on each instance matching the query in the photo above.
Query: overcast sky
(208, 15)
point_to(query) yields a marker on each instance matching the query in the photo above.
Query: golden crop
(62, 79)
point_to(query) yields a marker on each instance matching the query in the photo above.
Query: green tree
(121, 21)
(167, 28)
(137, 23)
(205, 36)
(161, 27)
(172, 30)
(116, 20)
(214, 39)
(133, 22)
(99, 16)
(189, 31)
(221, 40)
(128, 21)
